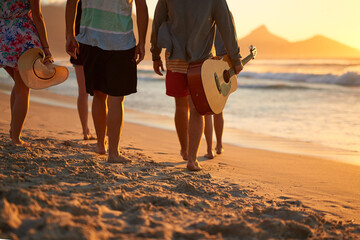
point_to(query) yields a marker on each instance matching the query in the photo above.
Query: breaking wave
(350, 79)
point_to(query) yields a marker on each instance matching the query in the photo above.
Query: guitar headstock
(253, 51)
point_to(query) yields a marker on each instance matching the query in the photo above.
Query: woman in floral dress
(22, 27)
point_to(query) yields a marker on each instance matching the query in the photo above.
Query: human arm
(142, 18)
(219, 45)
(160, 16)
(221, 51)
(72, 45)
(39, 23)
(238, 68)
(226, 27)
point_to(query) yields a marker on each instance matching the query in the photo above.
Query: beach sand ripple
(62, 190)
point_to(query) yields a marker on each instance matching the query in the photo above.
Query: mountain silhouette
(268, 44)
(271, 46)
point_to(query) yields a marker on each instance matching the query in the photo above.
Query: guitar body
(210, 82)
(202, 81)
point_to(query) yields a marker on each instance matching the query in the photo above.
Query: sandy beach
(61, 189)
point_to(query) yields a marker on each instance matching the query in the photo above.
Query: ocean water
(311, 104)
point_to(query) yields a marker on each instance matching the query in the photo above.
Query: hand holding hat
(38, 75)
(48, 57)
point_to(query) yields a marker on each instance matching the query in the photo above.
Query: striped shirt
(107, 24)
(181, 66)
(176, 65)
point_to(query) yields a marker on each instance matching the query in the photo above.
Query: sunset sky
(293, 20)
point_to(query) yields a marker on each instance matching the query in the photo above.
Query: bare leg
(19, 102)
(99, 113)
(82, 102)
(208, 136)
(115, 123)
(12, 100)
(219, 128)
(196, 130)
(182, 123)
(10, 71)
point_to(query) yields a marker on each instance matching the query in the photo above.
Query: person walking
(83, 96)
(218, 125)
(186, 29)
(22, 28)
(110, 55)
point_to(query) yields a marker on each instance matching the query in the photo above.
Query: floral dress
(17, 31)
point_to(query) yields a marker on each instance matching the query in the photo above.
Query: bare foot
(20, 143)
(184, 155)
(193, 166)
(89, 136)
(210, 155)
(118, 159)
(100, 149)
(219, 150)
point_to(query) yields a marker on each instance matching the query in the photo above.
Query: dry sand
(60, 189)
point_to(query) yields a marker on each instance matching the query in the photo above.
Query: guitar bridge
(217, 81)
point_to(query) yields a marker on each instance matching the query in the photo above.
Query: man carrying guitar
(186, 28)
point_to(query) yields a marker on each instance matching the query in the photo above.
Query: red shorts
(176, 84)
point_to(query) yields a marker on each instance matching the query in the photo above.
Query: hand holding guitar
(239, 68)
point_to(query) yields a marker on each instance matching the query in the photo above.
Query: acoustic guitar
(212, 81)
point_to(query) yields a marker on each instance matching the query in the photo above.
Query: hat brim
(26, 69)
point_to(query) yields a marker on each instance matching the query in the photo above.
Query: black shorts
(77, 61)
(111, 72)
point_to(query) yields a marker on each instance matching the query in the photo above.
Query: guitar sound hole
(226, 76)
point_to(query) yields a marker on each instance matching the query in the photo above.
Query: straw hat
(37, 75)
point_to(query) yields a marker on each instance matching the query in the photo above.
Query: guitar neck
(244, 61)
(247, 59)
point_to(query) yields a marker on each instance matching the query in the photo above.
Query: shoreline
(230, 136)
(61, 184)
